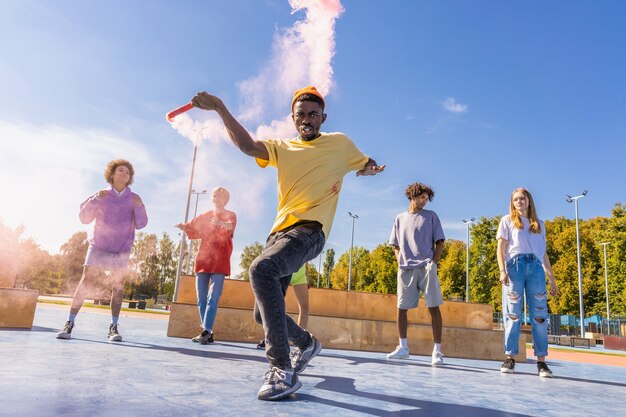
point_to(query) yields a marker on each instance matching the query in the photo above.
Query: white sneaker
(437, 358)
(399, 353)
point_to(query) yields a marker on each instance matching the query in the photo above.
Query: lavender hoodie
(116, 217)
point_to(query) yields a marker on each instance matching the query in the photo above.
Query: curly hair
(414, 190)
(112, 166)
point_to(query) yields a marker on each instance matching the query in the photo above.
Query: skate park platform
(150, 374)
(349, 320)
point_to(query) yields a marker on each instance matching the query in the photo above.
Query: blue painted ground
(150, 374)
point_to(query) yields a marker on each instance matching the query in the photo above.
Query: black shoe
(543, 370)
(300, 357)
(66, 333)
(204, 338)
(114, 335)
(261, 344)
(278, 384)
(508, 367)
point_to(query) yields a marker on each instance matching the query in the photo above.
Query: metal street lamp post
(195, 213)
(606, 283)
(468, 224)
(354, 217)
(181, 253)
(575, 199)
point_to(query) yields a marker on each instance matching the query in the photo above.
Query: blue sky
(473, 98)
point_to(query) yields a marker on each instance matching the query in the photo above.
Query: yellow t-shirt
(310, 174)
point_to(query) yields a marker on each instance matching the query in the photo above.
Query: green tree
(312, 274)
(39, 270)
(452, 270)
(167, 265)
(484, 282)
(383, 269)
(329, 264)
(248, 254)
(71, 261)
(360, 264)
(144, 266)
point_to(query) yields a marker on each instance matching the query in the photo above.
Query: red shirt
(216, 244)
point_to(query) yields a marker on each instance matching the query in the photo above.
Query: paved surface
(150, 374)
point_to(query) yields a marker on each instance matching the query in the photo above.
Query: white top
(522, 241)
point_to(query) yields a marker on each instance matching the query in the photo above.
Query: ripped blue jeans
(526, 276)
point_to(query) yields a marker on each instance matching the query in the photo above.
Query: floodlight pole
(468, 223)
(181, 253)
(354, 217)
(575, 199)
(606, 283)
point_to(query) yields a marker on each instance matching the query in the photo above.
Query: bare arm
(547, 267)
(370, 168)
(238, 134)
(396, 250)
(502, 247)
(438, 250)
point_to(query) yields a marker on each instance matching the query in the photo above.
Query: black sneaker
(508, 367)
(543, 370)
(114, 335)
(204, 338)
(300, 357)
(261, 344)
(278, 384)
(66, 333)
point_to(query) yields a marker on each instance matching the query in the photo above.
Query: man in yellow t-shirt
(310, 169)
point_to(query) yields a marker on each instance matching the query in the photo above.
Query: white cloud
(451, 105)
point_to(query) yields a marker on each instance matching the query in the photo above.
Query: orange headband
(307, 90)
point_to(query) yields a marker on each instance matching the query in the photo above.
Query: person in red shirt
(215, 229)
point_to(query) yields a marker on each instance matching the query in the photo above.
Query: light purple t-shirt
(522, 240)
(415, 235)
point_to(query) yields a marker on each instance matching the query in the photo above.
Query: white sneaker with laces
(437, 358)
(399, 353)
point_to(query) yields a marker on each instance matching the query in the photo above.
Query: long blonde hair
(535, 226)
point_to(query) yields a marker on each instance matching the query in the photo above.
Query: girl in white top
(524, 264)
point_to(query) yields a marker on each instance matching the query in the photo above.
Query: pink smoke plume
(301, 55)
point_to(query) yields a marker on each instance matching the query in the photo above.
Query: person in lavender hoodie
(117, 212)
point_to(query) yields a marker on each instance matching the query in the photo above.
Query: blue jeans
(270, 273)
(208, 297)
(526, 276)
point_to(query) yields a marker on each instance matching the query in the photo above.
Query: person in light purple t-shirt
(117, 212)
(417, 238)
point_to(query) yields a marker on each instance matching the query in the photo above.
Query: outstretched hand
(206, 101)
(370, 170)
(102, 193)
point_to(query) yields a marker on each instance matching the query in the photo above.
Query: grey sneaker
(204, 338)
(300, 357)
(508, 367)
(543, 370)
(278, 384)
(114, 335)
(66, 333)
